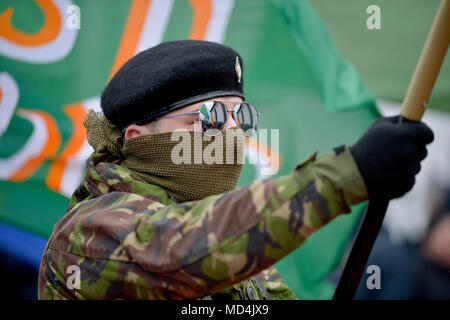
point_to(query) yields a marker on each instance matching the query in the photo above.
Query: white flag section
(9, 96)
(217, 25)
(32, 148)
(158, 15)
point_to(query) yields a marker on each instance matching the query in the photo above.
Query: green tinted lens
(213, 117)
(246, 117)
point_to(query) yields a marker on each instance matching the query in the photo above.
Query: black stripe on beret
(169, 76)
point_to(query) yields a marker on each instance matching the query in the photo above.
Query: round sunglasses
(213, 116)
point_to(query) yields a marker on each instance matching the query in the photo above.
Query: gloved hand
(388, 155)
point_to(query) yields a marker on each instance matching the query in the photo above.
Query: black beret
(169, 76)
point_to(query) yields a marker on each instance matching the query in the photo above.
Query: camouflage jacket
(130, 240)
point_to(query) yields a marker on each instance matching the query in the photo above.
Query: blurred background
(317, 71)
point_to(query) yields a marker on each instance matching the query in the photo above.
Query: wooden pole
(429, 64)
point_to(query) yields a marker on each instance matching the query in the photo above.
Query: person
(144, 225)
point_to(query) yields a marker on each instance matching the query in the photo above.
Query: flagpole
(413, 107)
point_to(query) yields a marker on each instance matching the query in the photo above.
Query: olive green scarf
(209, 167)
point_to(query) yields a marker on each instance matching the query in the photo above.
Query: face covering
(188, 165)
(190, 168)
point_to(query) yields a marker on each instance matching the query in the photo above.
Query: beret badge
(237, 68)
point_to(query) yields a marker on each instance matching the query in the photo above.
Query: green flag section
(310, 99)
(386, 58)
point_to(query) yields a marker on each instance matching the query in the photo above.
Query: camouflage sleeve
(129, 246)
(275, 285)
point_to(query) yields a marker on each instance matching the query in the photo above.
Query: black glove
(388, 155)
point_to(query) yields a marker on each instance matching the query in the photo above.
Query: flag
(386, 58)
(57, 55)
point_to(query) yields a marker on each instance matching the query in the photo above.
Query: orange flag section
(131, 34)
(48, 151)
(48, 32)
(76, 113)
(201, 12)
(263, 156)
